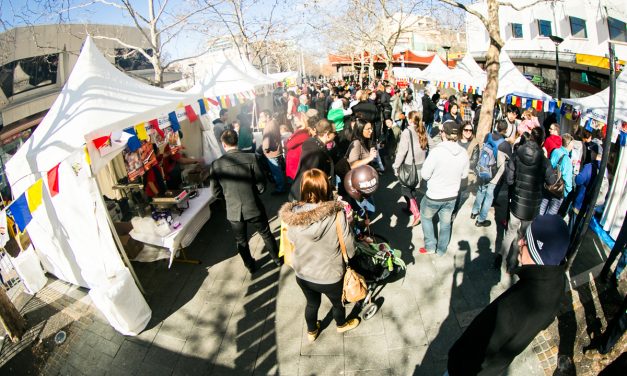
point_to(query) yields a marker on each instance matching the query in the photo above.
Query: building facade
(585, 26)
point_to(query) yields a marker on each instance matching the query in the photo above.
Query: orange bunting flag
(212, 101)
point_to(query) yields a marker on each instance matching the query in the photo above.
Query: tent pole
(118, 242)
(583, 219)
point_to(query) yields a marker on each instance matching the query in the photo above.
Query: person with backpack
(475, 119)
(490, 168)
(561, 163)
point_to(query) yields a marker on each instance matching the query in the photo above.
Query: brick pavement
(215, 318)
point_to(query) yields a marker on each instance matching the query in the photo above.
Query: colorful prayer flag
(174, 121)
(133, 143)
(203, 109)
(191, 115)
(34, 195)
(222, 102)
(212, 101)
(87, 157)
(228, 101)
(20, 212)
(53, 180)
(100, 142)
(155, 125)
(140, 129)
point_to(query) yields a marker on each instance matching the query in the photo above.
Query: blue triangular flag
(203, 110)
(20, 212)
(133, 142)
(174, 121)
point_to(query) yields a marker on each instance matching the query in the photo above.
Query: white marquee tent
(599, 102)
(70, 231)
(293, 75)
(223, 76)
(406, 73)
(512, 81)
(438, 71)
(470, 66)
(248, 68)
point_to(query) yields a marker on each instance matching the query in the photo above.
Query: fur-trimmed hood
(299, 214)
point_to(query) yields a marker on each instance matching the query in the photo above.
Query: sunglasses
(467, 130)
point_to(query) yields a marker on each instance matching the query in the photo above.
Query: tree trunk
(158, 75)
(489, 92)
(14, 324)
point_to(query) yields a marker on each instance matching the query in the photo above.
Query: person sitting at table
(154, 185)
(172, 168)
(238, 177)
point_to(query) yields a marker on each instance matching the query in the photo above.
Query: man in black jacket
(238, 176)
(526, 172)
(428, 112)
(508, 325)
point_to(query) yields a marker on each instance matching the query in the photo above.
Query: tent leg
(118, 242)
(184, 259)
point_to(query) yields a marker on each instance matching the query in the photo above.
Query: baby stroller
(375, 260)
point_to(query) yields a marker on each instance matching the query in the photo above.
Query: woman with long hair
(362, 149)
(453, 114)
(415, 138)
(317, 259)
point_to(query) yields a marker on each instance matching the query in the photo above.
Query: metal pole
(557, 73)
(447, 58)
(588, 205)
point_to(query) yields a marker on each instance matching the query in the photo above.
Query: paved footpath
(215, 318)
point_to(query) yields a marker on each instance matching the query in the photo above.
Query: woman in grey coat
(317, 259)
(413, 137)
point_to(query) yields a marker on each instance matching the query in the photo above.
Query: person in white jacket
(444, 169)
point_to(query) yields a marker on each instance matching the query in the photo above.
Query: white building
(585, 25)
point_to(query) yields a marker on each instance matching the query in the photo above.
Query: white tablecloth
(192, 220)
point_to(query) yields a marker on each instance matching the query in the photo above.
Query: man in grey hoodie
(444, 169)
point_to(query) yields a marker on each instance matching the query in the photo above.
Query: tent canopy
(222, 77)
(247, 67)
(284, 75)
(512, 81)
(470, 66)
(406, 73)
(437, 71)
(599, 102)
(96, 100)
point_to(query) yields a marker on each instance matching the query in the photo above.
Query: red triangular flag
(539, 105)
(101, 141)
(212, 101)
(191, 115)
(155, 125)
(228, 101)
(53, 180)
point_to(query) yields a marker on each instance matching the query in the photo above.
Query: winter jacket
(403, 153)
(526, 172)
(566, 167)
(428, 109)
(583, 179)
(271, 142)
(314, 154)
(551, 143)
(294, 146)
(444, 169)
(311, 228)
(366, 111)
(508, 325)
(448, 116)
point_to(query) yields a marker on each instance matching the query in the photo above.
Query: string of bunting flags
(452, 85)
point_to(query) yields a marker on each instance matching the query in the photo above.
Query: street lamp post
(446, 48)
(193, 73)
(557, 40)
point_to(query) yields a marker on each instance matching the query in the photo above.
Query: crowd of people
(317, 133)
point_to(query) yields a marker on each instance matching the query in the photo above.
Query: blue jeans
(277, 174)
(483, 201)
(428, 209)
(550, 205)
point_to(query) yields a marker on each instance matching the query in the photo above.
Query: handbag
(286, 247)
(409, 175)
(355, 288)
(557, 189)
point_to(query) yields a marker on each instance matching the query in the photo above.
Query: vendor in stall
(154, 184)
(172, 168)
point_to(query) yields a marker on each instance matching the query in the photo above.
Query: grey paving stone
(146, 337)
(203, 343)
(165, 350)
(226, 291)
(129, 356)
(371, 327)
(377, 372)
(404, 332)
(398, 302)
(150, 368)
(442, 337)
(365, 353)
(316, 365)
(465, 318)
(191, 366)
(403, 361)
(329, 342)
(179, 324)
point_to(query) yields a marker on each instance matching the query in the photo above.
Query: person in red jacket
(294, 146)
(554, 141)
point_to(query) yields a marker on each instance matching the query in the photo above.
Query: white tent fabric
(406, 73)
(223, 77)
(97, 100)
(512, 81)
(285, 75)
(438, 71)
(470, 66)
(616, 205)
(247, 67)
(70, 230)
(599, 102)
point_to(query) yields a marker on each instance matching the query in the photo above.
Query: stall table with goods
(188, 215)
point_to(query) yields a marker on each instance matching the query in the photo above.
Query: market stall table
(191, 221)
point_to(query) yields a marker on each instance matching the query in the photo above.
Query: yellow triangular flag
(87, 157)
(34, 195)
(181, 105)
(140, 129)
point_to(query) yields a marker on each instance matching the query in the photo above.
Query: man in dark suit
(238, 177)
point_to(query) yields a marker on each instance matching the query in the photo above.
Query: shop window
(578, 27)
(544, 28)
(618, 29)
(27, 74)
(517, 31)
(129, 59)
